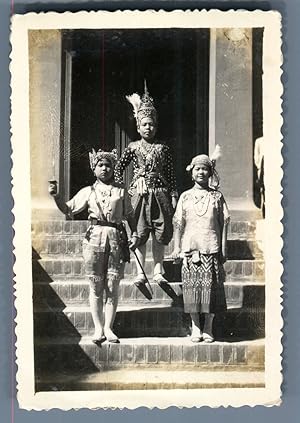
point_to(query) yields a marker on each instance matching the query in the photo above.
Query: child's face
(201, 174)
(104, 170)
(147, 129)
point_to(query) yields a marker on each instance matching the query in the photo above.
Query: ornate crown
(142, 107)
(94, 156)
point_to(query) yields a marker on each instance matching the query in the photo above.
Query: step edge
(78, 257)
(183, 340)
(122, 309)
(126, 282)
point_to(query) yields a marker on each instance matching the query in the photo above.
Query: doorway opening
(106, 65)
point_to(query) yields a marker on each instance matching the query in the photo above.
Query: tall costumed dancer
(153, 186)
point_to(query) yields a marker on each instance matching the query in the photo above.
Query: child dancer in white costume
(105, 247)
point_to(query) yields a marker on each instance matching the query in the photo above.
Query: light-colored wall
(45, 98)
(232, 113)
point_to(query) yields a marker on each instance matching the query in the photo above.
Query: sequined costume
(153, 211)
(200, 216)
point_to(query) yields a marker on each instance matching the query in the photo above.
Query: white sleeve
(79, 202)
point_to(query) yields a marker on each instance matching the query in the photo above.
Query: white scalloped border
(272, 107)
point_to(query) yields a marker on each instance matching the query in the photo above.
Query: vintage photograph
(147, 208)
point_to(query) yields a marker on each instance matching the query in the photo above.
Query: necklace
(147, 153)
(104, 198)
(201, 202)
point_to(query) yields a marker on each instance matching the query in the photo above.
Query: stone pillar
(45, 115)
(231, 114)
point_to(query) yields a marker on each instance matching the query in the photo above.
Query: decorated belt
(158, 189)
(98, 222)
(131, 191)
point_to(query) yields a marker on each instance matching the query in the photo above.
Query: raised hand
(52, 187)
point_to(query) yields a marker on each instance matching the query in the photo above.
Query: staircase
(153, 331)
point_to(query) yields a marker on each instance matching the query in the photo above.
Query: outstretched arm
(78, 203)
(53, 191)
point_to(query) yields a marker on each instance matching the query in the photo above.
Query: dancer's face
(201, 174)
(104, 170)
(147, 129)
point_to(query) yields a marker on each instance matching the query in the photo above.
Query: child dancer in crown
(105, 247)
(153, 187)
(200, 237)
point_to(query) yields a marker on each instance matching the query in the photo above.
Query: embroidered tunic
(114, 201)
(153, 209)
(200, 216)
(153, 161)
(115, 205)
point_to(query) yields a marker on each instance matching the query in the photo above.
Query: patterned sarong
(203, 284)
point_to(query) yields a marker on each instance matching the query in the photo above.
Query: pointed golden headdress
(142, 107)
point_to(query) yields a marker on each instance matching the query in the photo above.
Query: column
(45, 118)
(231, 113)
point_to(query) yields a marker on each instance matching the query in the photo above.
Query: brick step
(54, 294)
(65, 245)
(71, 355)
(76, 321)
(150, 378)
(237, 227)
(65, 268)
(83, 279)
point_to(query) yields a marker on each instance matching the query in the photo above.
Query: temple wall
(45, 105)
(231, 113)
(230, 116)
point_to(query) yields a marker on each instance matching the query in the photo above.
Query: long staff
(145, 276)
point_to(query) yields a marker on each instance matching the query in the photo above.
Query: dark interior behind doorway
(107, 65)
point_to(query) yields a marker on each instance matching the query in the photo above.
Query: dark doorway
(107, 65)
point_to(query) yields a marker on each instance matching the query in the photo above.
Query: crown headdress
(142, 107)
(94, 156)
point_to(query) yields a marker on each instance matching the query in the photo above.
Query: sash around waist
(95, 222)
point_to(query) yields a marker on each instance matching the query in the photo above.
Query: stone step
(65, 268)
(81, 356)
(65, 245)
(76, 321)
(68, 292)
(237, 227)
(150, 378)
